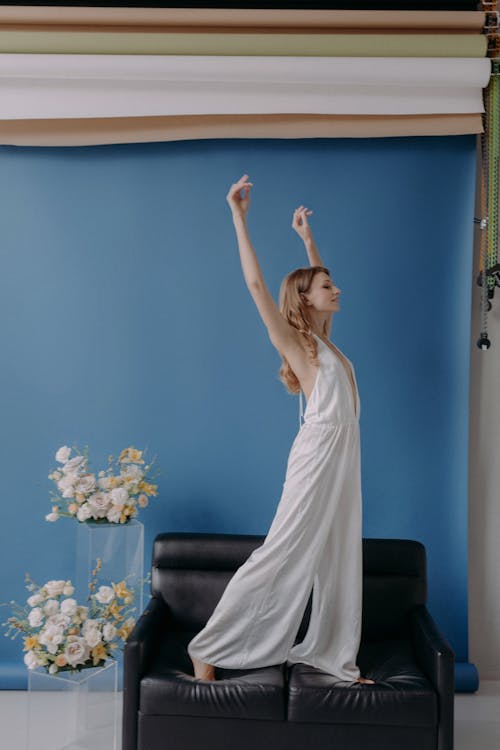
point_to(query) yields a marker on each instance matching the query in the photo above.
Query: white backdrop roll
(51, 86)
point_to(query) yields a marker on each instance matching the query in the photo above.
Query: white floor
(477, 721)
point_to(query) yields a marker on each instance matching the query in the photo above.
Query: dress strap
(301, 413)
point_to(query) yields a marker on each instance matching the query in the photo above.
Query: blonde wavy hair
(294, 310)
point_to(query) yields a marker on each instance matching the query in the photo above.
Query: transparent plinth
(121, 549)
(73, 711)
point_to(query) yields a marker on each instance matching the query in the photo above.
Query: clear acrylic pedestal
(73, 710)
(121, 549)
(120, 546)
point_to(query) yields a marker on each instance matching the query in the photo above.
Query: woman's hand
(300, 222)
(237, 204)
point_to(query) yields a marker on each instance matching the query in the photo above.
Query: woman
(315, 539)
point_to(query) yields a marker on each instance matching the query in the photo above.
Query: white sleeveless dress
(315, 540)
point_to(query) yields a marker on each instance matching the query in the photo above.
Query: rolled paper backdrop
(54, 86)
(95, 131)
(189, 18)
(177, 43)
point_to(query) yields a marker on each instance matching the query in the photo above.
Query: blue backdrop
(126, 321)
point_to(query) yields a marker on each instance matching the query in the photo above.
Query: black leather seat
(403, 696)
(168, 688)
(410, 706)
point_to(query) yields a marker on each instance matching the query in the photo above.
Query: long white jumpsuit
(315, 540)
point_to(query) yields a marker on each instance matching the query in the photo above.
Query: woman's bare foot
(364, 679)
(202, 670)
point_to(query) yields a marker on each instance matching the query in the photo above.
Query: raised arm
(301, 226)
(281, 333)
(239, 209)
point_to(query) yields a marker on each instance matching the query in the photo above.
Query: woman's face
(323, 294)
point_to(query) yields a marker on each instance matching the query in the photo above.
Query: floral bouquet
(109, 498)
(60, 635)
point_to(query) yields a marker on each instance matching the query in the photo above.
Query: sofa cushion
(401, 695)
(169, 687)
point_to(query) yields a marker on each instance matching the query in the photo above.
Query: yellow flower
(121, 590)
(149, 489)
(98, 653)
(30, 642)
(131, 455)
(114, 609)
(125, 630)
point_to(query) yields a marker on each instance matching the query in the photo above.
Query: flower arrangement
(61, 635)
(109, 498)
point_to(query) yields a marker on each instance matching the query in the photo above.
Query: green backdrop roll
(176, 43)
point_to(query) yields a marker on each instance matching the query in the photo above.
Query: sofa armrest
(139, 646)
(436, 659)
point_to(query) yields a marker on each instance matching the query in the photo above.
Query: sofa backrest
(191, 570)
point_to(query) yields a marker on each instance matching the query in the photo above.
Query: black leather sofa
(410, 706)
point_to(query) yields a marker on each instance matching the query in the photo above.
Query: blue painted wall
(126, 320)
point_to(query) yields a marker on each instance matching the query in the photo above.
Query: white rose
(74, 464)
(51, 607)
(62, 454)
(68, 607)
(114, 515)
(109, 631)
(35, 617)
(93, 637)
(51, 637)
(85, 484)
(119, 496)
(66, 485)
(90, 624)
(68, 589)
(59, 621)
(52, 517)
(84, 512)
(133, 474)
(34, 600)
(53, 669)
(99, 504)
(105, 595)
(30, 660)
(54, 588)
(76, 651)
(105, 483)
(89, 630)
